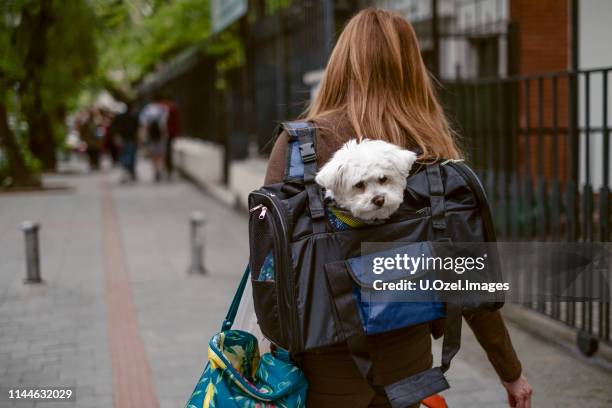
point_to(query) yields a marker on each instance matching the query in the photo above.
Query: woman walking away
(376, 86)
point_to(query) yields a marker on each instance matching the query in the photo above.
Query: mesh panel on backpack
(262, 247)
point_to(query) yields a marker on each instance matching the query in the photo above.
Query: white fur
(367, 162)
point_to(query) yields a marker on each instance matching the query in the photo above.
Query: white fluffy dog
(367, 178)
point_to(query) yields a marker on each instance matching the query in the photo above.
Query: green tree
(14, 169)
(54, 46)
(57, 47)
(48, 49)
(14, 166)
(137, 37)
(31, 41)
(72, 59)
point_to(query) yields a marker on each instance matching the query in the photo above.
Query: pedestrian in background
(124, 129)
(173, 129)
(153, 123)
(110, 143)
(93, 136)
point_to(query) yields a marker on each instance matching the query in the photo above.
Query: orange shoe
(435, 401)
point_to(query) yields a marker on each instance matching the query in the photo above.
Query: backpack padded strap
(436, 196)
(348, 317)
(416, 388)
(413, 389)
(452, 334)
(407, 391)
(304, 132)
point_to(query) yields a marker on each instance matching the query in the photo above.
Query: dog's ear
(403, 160)
(331, 175)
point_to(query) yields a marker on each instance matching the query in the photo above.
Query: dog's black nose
(378, 200)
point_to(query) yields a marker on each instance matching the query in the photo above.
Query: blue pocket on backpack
(388, 310)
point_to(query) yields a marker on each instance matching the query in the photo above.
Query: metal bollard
(197, 222)
(30, 230)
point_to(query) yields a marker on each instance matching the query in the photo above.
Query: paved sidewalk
(57, 334)
(559, 380)
(118, 306)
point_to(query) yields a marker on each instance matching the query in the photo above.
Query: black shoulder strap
(304, 133)
(436, 196)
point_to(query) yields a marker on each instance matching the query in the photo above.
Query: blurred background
(120, 119)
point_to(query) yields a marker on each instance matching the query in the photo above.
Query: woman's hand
(519, 393)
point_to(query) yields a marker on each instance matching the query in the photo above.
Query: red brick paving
(132, 378)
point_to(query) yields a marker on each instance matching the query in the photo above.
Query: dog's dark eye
(382, 179)
(359, 185)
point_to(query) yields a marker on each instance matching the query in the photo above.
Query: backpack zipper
(262, 213)
(257, 207)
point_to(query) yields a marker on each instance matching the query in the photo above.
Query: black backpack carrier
(303, 284)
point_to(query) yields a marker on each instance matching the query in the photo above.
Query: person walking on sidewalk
(153, 122)
(173, 129)
(92, 134)
(124, 130)
(376, 85)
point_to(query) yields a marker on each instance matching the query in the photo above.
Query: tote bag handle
(231, 313)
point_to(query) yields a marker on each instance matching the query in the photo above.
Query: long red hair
(377, 77)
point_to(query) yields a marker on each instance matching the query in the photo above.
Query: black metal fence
(541, 145)
(289, 43)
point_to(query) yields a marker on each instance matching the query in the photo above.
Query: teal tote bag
(236, 376)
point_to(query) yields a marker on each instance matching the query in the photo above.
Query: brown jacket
(412, 345)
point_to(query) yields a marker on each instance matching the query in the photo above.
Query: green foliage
(99, 44)
(172, 28)
(72, 54)
(10, 57)
(48, 50)
(137, 36)
(272, 6)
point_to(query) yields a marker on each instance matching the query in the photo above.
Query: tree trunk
(17, 168)
(41, 139)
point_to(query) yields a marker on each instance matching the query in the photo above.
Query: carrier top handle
(304, 133)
